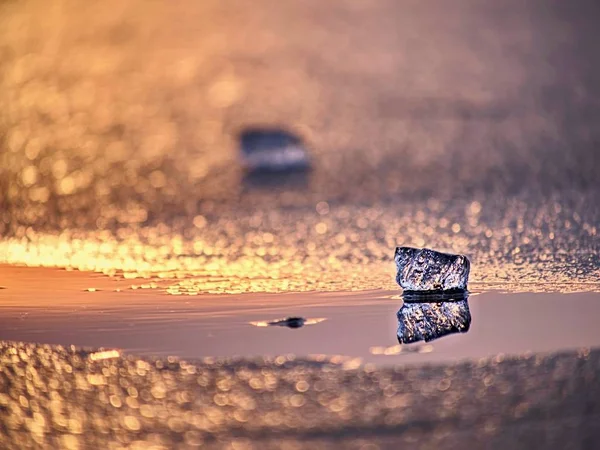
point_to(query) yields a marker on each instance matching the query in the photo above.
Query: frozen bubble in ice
(272, 150)
(428, 270)
(429, 321)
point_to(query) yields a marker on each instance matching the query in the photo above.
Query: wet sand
(54, 306)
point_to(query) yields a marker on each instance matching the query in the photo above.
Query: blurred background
(470, 127)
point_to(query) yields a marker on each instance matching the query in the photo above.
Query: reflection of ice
(428, 321)
(428, 270)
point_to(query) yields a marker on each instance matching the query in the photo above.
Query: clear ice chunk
(272, 150)
(428, 270)
(429, 321)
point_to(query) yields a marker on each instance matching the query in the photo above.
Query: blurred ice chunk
(272, 150)
(428, 270)
(429, 321)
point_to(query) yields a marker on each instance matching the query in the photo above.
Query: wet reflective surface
(61, 310)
